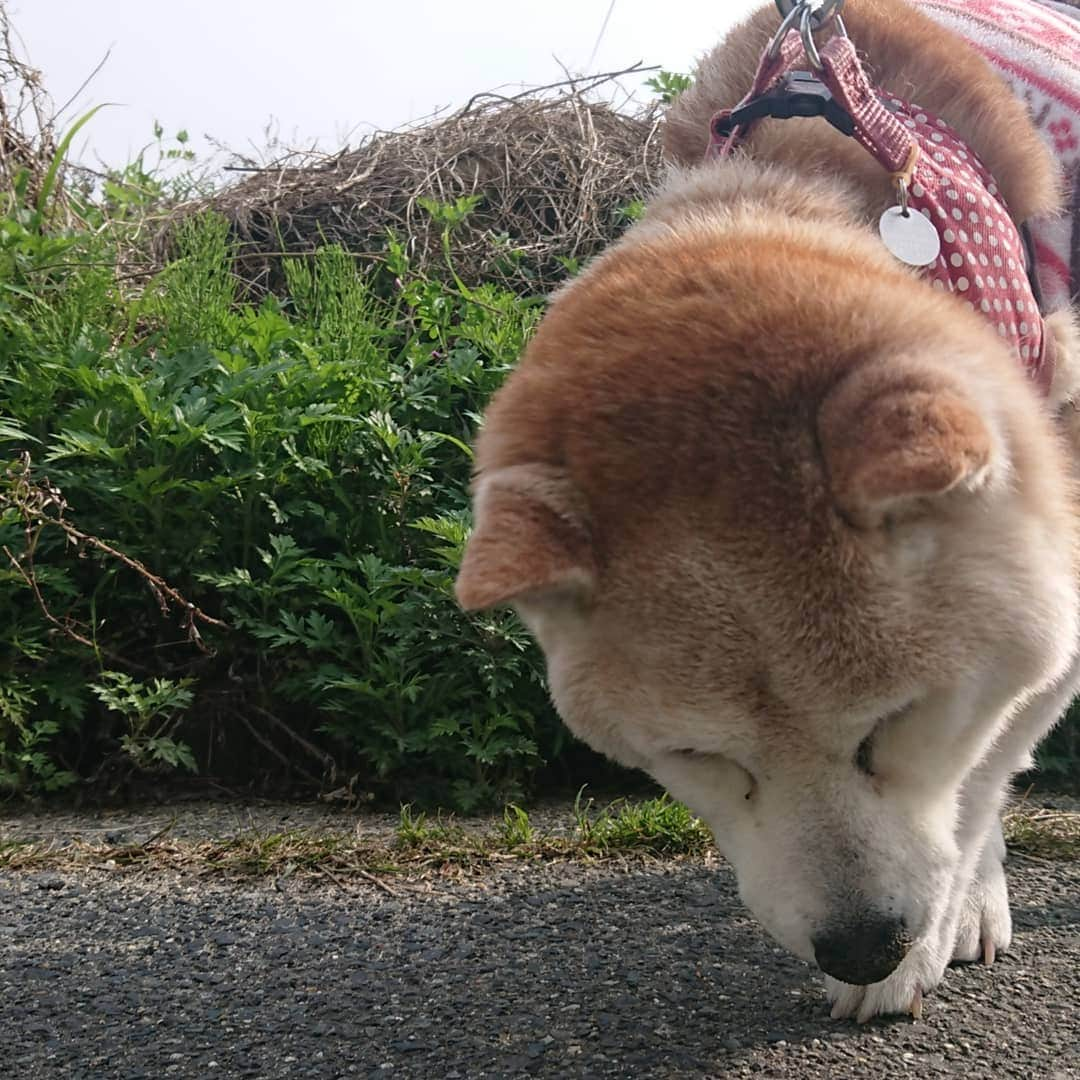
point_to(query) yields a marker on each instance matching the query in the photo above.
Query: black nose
(862, 952)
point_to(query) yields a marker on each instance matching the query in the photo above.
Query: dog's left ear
(531, 538)
(900, 441)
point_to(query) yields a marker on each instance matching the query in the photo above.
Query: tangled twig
(27, 129)
(554, 169)
(325, 759)
(41, 505)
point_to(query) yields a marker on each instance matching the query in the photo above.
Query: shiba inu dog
(795, 530)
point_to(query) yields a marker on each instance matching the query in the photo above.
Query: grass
(1047, 834)
(424, 846)
(653, 828)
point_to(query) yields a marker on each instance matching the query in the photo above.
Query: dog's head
(795, 538)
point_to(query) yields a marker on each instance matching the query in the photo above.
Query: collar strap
(985, 259)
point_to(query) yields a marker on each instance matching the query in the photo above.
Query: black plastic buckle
(798, 93)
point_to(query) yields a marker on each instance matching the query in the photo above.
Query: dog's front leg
(978, 923)
(984, 924)
(973, 921)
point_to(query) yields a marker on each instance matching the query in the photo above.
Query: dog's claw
(989, 951)
(916, 1004)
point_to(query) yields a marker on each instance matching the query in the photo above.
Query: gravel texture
(556, 970)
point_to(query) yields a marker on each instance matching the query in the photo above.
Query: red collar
(982, 260)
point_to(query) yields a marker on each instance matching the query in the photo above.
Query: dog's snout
(864, 951)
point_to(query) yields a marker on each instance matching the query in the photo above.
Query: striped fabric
(1036, 49)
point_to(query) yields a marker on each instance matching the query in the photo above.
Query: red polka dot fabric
(982, 260)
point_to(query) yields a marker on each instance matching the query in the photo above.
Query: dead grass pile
(27, 123)
(552, 170)
(1044, 833)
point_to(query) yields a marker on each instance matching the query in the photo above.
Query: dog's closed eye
(864, 755)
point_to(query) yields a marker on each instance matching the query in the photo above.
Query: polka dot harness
(979, 254)
(982, 256)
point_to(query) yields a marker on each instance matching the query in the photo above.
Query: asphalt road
(544, 971)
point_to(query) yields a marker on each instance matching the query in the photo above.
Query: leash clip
(821, 11)
(809, 18)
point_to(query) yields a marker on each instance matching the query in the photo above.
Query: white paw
(900, 994)
(984, 928)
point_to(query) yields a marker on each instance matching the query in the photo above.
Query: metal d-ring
(809, 20)
(790, 19)
(806, 32)
(824, 10)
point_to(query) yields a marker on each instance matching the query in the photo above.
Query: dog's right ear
(531, 537)
(898, 441)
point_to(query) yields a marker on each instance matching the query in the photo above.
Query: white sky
(328, 69)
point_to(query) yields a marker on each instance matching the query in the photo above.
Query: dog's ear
(896, 440)
(531, 537)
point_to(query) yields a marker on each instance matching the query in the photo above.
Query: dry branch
(41, 505)
(554, 168)
(27, 120)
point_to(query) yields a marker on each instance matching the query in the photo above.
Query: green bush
(297, 470)
(228, 533)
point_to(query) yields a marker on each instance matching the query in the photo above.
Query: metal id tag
(909, 237)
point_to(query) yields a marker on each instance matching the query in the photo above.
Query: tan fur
(680, 384)
(1063, 328)
(765, 498)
